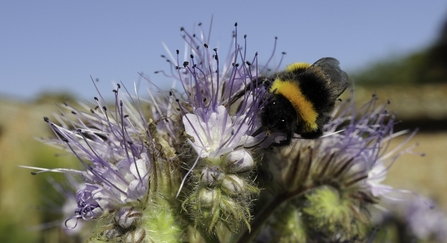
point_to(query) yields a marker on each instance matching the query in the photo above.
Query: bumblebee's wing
(337, 79)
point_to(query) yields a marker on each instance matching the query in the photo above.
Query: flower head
(110, 147)
(333, 180)
(219, 130)
(121, 152)
(214, 132)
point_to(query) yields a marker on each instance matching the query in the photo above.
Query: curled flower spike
(123, 156)
(117, 167)
(332, 181)
(219, 131)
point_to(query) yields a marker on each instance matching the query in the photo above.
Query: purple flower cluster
(194, 158)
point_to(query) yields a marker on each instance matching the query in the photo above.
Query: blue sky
(50, 46)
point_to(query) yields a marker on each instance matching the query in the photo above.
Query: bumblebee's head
(278, 115)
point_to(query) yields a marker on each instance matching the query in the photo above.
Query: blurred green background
(415, 83)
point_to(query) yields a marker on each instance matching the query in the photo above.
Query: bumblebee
(301, 98)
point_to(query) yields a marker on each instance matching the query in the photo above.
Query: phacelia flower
(221, 187)
(123, 157)
(326, 186)
(193, 164)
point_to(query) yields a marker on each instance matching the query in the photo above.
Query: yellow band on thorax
(303, 107)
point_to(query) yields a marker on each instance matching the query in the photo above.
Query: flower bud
(127, 216)
(135, 236)
(211, 175)
(232, 185)
(111, 232)
(239, 161)
(207, 197)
